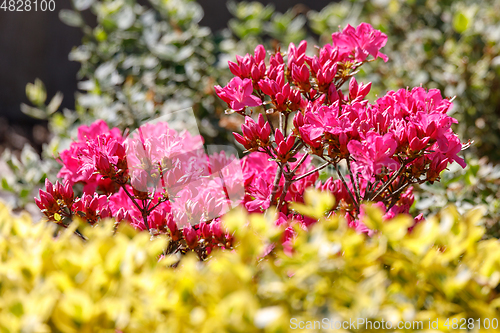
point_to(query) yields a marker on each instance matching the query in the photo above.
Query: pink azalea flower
(92, 208)
(70, 158)
(254, 134)
(374, 156)
(238, 94)
(362, 41)
(104, 155)
(284, 145)
(250, 66)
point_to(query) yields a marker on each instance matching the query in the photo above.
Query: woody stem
(143, 211)
(277, 178)
(345, 185)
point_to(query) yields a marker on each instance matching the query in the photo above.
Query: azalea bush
(161, 180)
(115, 282)
(449, 45)
(404, 138)
(427, 45)
(452, 46)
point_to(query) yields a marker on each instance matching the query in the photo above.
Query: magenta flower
(238, 94)
(104, 155)
(250, 66)
(258, 194)
(254, 134)
(296, 55)
(324, 71)
(357, 92)
(300, 75)
(312, 136)
(374, 156)
(190, 236)
(284, 144)
(47, 203)
(362, 41)
(70, 158)
(54, 198)
(92, 208)
(269, 87)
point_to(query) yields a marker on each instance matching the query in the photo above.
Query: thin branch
(131, 197)
(277, 179)
(372, 188)
(144, 212)
(144, 217)
(281, 201)
(286, 124)
(367, 189)
(287, 166)
(295, 150)
(389, 182)
(356, 190)
(297, 145)
(399, 190)
(268, 152)
(347, 188)
(160, 201)
(79, 234)
(303, 158)
(268, 118)
(358, 184)
(312, 171)
(76, 232)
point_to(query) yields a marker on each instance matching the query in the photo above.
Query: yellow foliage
(114, 282)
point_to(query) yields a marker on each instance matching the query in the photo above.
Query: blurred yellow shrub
(115, 283)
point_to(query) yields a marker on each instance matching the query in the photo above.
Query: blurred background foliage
(139, 61)
(115, 283)
(478, 185)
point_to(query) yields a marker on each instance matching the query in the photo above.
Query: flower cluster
(156, 179)
(377, 151)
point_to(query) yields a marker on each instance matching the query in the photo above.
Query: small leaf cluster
(24, 174)
(478, 185)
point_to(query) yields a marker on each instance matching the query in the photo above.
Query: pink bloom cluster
(376, 150)
(155, 179)
(259, 174)
(350, 49)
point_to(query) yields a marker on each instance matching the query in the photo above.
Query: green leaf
(460, 22)
(33, 112)
(36, 92)
(82, 4)
(71, 18)
(24, 193)
(55, 102)
(5, 185)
